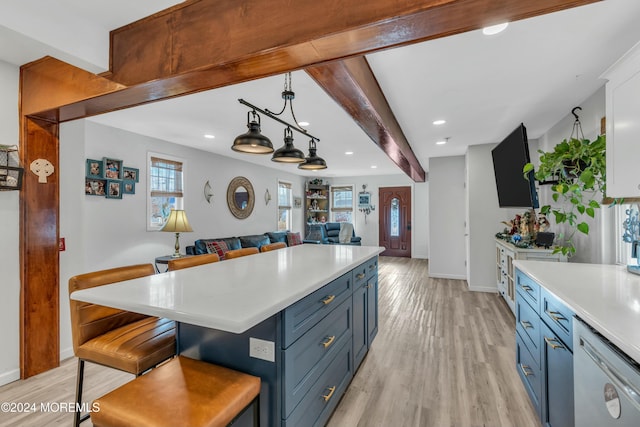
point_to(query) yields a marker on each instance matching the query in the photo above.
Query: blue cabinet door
(360, 334)
(372, 309)
(558, 361)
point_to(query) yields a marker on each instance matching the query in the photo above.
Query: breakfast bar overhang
(301, 318)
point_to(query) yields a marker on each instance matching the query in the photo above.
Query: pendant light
(313, 161)
(252, 142)
(255, 143)
(288, 153)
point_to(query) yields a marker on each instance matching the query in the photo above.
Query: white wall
(9, 228)
(599, 245)
(447, 217)
(103, 233)
(484, 218)
(419, 210)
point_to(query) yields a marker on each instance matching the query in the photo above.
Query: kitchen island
(301, 318)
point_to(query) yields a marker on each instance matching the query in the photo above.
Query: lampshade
(288, 153)
(313, 161)
(177, 222)
(252, 142)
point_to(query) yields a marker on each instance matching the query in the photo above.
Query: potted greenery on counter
(577, 170)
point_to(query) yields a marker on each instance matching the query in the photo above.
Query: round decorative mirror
(240, 197)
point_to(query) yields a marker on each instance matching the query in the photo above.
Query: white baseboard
(491, 289)
(9, 377)
(66, 353)
(447, 276)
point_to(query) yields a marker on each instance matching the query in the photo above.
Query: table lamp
(177, 223)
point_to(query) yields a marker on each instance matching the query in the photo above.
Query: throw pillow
(294, 239)
(217, 247)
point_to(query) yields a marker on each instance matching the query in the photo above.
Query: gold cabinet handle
(526, 288)
(328, 299)
(553, 343)
(524, 370)
(369, 286)
(329, 341)
(327, 396)
(556, 316)
(525, 324)
(360, 276)
(372, 266)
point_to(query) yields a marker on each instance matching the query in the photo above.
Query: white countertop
(607, 297)
(233, 295)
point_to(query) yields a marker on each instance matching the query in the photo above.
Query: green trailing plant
(577, 170)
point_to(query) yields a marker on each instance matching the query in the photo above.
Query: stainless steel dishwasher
(606, 382)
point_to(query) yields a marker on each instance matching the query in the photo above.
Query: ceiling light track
(278, 119)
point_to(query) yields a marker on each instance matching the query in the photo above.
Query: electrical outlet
(261, 349)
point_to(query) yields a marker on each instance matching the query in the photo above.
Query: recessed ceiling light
(441, 142)
(303, 123)
(374, 167)
(495, 29)
(439, 122)
(209, 136)
(348, 153)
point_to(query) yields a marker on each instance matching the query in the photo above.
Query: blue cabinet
(544, 355)
(558, 380)
(315, 341)
(365, 308)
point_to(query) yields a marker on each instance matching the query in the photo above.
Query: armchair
(329, 234)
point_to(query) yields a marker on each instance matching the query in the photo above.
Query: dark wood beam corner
(352, 84)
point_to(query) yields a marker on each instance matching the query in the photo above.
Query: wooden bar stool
(180, 263)
(273, 246)
(181, 393)
(119, 339)
(237, 253)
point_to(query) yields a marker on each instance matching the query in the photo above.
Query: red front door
(395, 220)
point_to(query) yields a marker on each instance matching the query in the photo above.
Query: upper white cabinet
(623, 125)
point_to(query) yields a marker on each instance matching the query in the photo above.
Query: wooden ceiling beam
(353, 86)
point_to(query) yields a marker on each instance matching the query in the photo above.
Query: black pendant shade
(252, 142)
(288, 153)
(313, 161)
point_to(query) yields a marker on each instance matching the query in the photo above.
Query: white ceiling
(534, 72)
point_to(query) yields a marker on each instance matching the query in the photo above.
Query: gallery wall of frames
(110, 178)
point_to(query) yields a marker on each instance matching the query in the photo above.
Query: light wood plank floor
(443, 356)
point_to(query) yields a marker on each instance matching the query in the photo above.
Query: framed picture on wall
(131, 174)
(114, 189)
(94, 187)
(297, 202)
(364, 200)
(128, 187)
(112, 168)
(94, 169)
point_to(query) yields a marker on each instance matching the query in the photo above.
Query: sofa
(328, 233)
(237, 242)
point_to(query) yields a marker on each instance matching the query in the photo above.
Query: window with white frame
(165, 189)
(284, 205)
(342, 203)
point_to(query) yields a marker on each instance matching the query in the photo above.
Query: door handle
(409, 227)
(553, 343)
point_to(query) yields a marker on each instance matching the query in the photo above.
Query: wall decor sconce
(208, 192)
(10, 171)
(267, 197)
(364, 202)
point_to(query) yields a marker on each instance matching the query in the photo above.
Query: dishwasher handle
(632, 393)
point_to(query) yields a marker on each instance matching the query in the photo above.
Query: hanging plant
(577, 170)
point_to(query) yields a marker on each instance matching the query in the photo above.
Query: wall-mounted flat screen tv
(509, 157)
